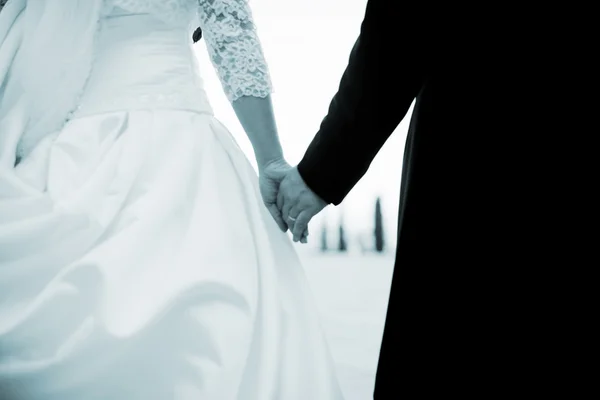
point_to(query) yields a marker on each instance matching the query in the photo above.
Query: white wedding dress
(137, 261)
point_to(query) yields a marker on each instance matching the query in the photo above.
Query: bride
(137, 260)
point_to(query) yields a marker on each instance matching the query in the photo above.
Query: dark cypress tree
(342, 246)
(324, 246)
(379, 240)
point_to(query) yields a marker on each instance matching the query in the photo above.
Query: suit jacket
(470, 213)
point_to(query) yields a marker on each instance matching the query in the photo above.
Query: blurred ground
(351, 292)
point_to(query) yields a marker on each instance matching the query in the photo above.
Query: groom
(465, 289)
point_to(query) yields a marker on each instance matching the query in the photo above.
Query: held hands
(289, 200)
(297, 203)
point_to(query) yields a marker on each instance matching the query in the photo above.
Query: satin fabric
(137, 260)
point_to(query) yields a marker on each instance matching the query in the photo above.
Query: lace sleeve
(234, 48)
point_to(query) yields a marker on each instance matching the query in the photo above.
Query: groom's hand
(297, 203)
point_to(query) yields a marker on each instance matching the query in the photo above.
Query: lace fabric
(234, 48)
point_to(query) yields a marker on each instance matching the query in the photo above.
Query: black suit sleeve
(384, 75)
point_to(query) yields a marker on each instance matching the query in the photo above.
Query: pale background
(307, 44)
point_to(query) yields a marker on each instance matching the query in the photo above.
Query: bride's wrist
(264, 162)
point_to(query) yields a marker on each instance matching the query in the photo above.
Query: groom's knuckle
(304, 202)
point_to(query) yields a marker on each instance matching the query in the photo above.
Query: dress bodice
(228, 30)
(176, 12)
(142, 62)
(144, 56)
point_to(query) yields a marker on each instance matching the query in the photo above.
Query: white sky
(307, 44)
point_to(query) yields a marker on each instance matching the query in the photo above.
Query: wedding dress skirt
(137, 260)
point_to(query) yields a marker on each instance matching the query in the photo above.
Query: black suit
(463, 296)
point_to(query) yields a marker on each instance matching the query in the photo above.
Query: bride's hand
(270, 175)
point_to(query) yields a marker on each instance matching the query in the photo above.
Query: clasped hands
(287, 197)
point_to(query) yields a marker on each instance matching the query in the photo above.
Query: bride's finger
(276, 214)
(285, 213)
